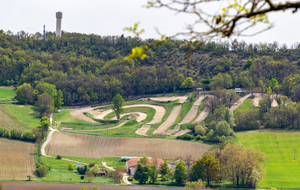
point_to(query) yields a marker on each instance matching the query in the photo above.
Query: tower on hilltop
(58, 23)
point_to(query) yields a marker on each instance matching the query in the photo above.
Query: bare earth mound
(87, 146)
(16, 159)
(258, 97)
(181, 99)
(169, 121)
(60, 186)
(78, 114)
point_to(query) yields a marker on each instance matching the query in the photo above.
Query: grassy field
(16, 159)
(25, 113)
(87, 146)
(7, 94)
(246, 105)
(65, 116)
(59, 170)
(282, 170)
(9, 121)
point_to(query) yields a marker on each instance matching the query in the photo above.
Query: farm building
(172, 165)
(131, 164)
(239, 91)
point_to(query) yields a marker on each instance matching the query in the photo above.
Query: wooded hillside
(90, 68)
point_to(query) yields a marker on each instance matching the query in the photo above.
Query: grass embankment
(59, 169)
(149, 111)
(246, 105)
(7, 94)
(282, 170)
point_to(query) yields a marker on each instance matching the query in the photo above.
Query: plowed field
(16, 159)
(87, 146)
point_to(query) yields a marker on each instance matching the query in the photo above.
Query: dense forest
(89, 69)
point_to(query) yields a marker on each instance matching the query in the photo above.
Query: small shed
(79, 165)
(238, 90)
(101, 172)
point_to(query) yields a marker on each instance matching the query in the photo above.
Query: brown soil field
(16, 160)
(169, 121)
(88, 146)
(61, 186)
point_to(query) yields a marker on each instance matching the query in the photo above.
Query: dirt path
(181, 99)
(199, 100)
(169, 121)
(258, 97)
(140, 116)
(239, 102)
(193, 111)
(181, 132)
(159, 112)
(175, 130)
(143, 130)
(202, 115)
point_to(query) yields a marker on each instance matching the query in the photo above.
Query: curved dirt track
(78, 114)
(159, 112)
(143, 130)
(193, 111)
(258, 97)
(181, 99)
(169, 121)
(140, 116)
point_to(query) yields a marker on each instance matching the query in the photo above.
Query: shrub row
(14, 134)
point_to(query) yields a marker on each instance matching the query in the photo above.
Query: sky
(110, 17)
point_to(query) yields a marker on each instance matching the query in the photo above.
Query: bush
(42, 170)
(70, 167)
(199, 130)
(186, 137)
(81, 170)
(28, 136)
(223, 129)
(58, 157)
(82, 177)
(91, 164)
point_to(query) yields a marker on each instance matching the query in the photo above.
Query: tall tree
(117, 105)
(59, 100)
(210, 167)
(180, 174)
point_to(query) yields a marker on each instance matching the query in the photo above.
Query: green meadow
(7, 94)
(281, 170)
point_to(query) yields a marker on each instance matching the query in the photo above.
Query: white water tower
(58, 23)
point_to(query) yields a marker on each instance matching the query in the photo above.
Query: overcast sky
(109, 17)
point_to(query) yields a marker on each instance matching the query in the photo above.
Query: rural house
(131, 164)
(172, 165)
